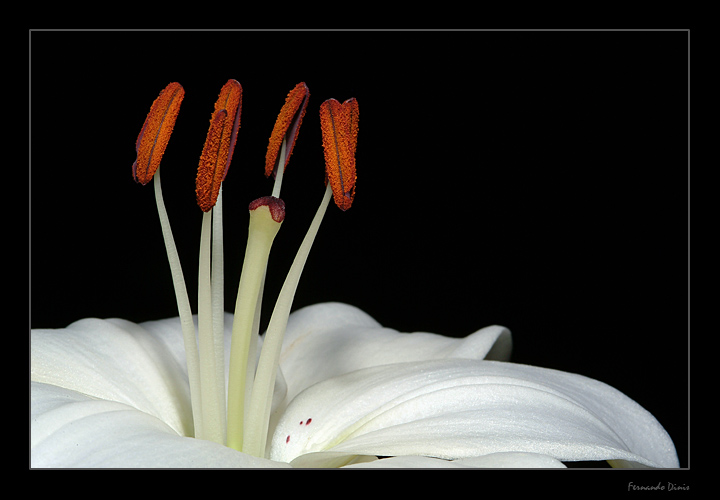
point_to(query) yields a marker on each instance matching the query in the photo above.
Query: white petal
(511, 460)
(69, 429)
(463, 408)
(116, 360)
(408, 462)
(493, 460)
(326, 340)
(330, 460)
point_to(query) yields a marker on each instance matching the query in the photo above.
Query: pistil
(266, 215)
(339, 130)
(256, 429)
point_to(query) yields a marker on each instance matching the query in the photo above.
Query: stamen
(156, 131)
(150, 146)
(219, 145)
(286, 127)
(339, 124)
(212, 169)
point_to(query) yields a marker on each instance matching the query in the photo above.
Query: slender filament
(184, 310)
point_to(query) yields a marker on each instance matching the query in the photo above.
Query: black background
(537, 180)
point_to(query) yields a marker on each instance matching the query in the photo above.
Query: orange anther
(287, 126)
(219, 145)
(156, 131)
(230, 100)
(339, 124)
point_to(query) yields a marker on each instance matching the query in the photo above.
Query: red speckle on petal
(287, 439)
(308, 421)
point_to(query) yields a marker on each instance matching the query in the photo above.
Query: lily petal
(114, 393)
(70, 429)
(120, 361)
(461, 408)
(493, 460)
(330, 339)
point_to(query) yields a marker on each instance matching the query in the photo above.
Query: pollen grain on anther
(156, 131)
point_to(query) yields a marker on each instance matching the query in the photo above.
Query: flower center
(243, 424)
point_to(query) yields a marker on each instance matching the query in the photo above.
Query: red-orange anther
(156, 131)
(287, 126)
(230, 100)
(219, 145)
(339, 124)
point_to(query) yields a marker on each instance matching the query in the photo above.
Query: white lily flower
(326, 386)
(111, 393)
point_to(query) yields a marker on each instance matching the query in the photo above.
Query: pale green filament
(256, 427)
(184, 310)
(261, 233)
(218, 304)
(212, 357)
(280, 169)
